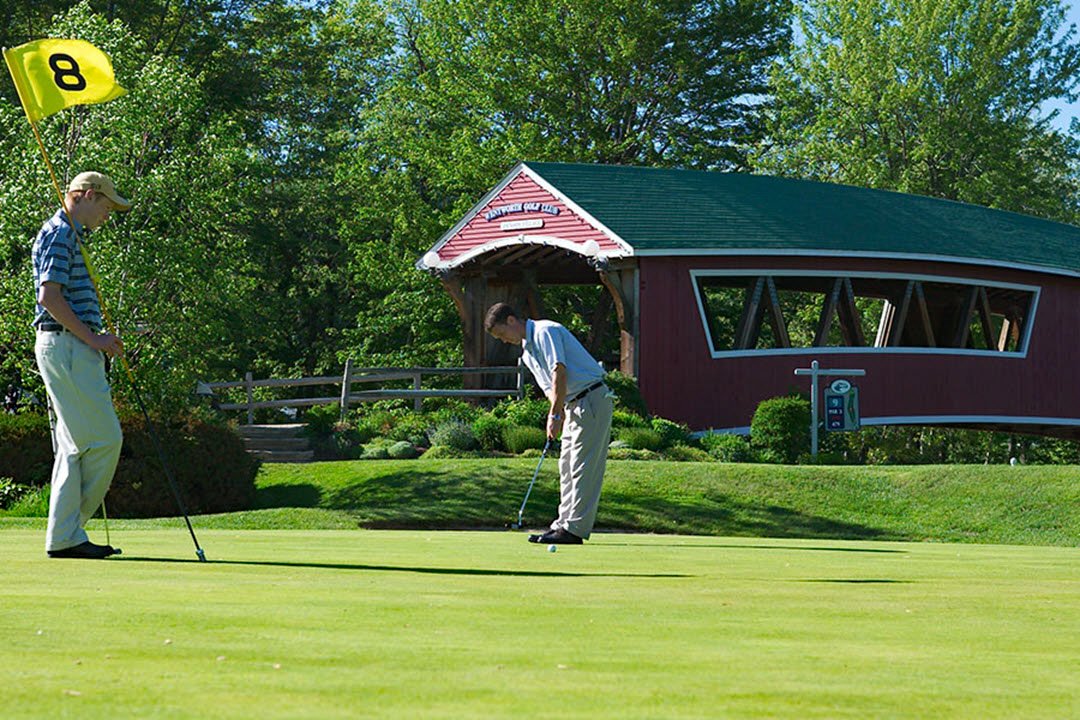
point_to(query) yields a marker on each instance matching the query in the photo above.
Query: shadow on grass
(399, 568)
(472, 498)
(304, 495)
(731, 546)
(716, 513)
(856, 581)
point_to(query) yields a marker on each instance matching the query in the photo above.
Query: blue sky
(1067, 111)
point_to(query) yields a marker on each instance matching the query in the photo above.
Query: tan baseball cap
(99, 183)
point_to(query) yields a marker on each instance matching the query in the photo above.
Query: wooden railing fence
(352, 376)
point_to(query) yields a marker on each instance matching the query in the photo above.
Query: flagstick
(123, 358)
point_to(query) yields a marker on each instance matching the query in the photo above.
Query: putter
(543, 454)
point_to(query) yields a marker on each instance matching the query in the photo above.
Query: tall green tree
(934, 97)
(472, 87)
(176, 271)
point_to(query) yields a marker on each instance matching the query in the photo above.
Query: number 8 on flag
(53, 74)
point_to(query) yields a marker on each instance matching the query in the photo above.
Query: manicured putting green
(355, 624)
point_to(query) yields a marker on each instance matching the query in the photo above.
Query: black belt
(57, 327)
(586, 391)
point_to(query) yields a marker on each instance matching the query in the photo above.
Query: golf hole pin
(552, 548)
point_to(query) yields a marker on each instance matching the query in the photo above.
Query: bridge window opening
(762, 312)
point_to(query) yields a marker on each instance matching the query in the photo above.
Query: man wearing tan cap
(70, 351)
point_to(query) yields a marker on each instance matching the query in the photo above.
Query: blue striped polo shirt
(57, 259)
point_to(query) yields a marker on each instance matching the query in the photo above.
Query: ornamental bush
(209, 464)
(453, 434)
(26, 454)
(641, 439)
(489, 431)
(727, 448)
(671, 433)
(627, 395)
(519, 438)
(781, 428)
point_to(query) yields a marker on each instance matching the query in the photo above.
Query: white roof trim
(624, 248)
(499, 187)
(781, 252)
(627, 248)
(518, 241)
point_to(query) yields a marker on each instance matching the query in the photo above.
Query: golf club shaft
(536, 474)
(165, 465)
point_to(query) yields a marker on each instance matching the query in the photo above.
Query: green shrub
(671, 433)
(727, 448)
(402, 450)
(375, 452)
(781, 427)
(489, 430)
(624, 419)
(34, 503)
(519, 438)
(453, 434)
(442, 452)
(321, 419)
(641, 438)
(686, 453)
(530, 411)
(212, 471)
(455, 409)
(627, 395)
(412, 427)
(376, 423)
(10, 492)
(26, 454)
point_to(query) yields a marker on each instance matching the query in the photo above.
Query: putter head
(201, 554)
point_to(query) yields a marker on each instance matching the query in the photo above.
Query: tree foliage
(934, 97)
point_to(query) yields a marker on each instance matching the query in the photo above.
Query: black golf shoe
(558, 536)
(85, 551)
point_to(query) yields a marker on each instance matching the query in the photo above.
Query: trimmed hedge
(209, 464)
(781, 428)
(26, 454)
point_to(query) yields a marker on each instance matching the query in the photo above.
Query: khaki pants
(585, 440)
(87, 436)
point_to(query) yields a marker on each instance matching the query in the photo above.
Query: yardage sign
(841, 406)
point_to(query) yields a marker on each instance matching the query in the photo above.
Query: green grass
(424, 624)
(950, 503)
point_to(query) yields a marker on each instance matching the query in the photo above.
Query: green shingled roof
(659, 211)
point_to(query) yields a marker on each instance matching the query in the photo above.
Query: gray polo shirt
(547, 344)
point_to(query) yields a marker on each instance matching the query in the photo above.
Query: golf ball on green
(552, 548)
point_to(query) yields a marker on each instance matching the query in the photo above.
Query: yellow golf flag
(53, 74)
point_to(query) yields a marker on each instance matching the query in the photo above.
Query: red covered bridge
(723, 284)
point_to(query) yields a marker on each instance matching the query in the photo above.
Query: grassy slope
(973, 503)
(1014, 505)
(355, 624)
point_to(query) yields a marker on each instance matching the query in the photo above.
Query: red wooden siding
(680, 380)
(567, 225)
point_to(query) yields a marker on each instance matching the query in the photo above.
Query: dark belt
(586, 391)
(57, 327)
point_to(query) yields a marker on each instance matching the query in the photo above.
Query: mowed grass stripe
(482, 624)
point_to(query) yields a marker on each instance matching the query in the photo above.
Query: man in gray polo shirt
(581, 408)
(70, 351)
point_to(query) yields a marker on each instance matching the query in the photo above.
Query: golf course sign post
(842, 401)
